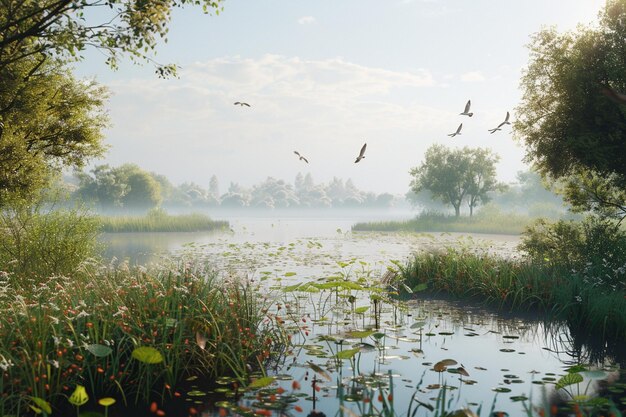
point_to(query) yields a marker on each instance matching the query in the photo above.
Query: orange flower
(390, 398)
(380, 397)
(295, 385)
(154, 407)
(160, 413)
(553, 410)
(298, 408)
(280, 390)
(223, 412)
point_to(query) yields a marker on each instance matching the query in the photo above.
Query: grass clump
(487, 220)
(158, 220)
(580, 297)
(133, 335)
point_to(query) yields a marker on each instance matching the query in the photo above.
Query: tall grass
(160, 221)
(491, 221)
(58, 333)
(521, 284)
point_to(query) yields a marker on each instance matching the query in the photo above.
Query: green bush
(594, 249)
(41, 242)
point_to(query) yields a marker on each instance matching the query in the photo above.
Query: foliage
(570, 126)
(126, 186)
(112, 189)
(159, 221)
(455, 176)
(65, 28)
(50, 120)
(594, 248)
(38, 240)
(488, 220)
(521, 284)
(100, 328)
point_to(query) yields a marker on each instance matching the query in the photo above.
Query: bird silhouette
(506, 122)
(466, 112)
(302, 158)
(241, 103)
(361, 154)
(458, 131)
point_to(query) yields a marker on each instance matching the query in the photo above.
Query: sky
(324, 77)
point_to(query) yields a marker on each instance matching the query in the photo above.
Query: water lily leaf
(147, 354)
(290, 274)
(261, 382)
(347, 354)
(418, 325)
(41, 405)
(569, 379)
(360, 334)
(99, 351)
(361, 310)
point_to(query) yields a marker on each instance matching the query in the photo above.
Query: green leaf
(347, 354)
(42, 405)
(99, 351)
(261, 382)
(360, 334)
(147, 354)
(420, 287)
(569, 379)
(290, 274)
(361, 310)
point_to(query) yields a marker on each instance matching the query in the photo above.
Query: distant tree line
(129, 187)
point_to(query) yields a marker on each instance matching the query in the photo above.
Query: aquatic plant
(128, 334)
(158, 220)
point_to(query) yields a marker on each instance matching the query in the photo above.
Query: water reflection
(355, 354)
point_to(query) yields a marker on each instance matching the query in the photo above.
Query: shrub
(42, 241)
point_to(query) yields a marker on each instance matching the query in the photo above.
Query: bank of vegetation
(573, 272)
(490, 220)
(160, 221)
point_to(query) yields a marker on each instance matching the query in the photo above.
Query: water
(509, 360)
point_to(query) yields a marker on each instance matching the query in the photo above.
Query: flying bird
(458, 131)
(506, 122)
(302, 158)
(241, 103)
(466, 112)
(361, 154)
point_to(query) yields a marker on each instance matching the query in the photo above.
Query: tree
(64, 28)
(443, 173)
(481, 177)
(570, 116)
(214, 187)
(454, 176)
(50, 120)
(142, 190)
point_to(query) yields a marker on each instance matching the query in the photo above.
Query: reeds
(495, 222)
(85, 329)
(517, 284)
(159, 221)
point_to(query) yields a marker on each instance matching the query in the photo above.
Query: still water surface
(508, 359)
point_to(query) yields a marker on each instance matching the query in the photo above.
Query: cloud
(473, 77)
(306, 20)
(189, 129)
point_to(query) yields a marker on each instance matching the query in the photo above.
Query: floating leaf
(261, 382)
(99, 351)
(347, 354)
(360, 334)
(569, 379)
(147, 354)
(290, 274)
(501, 389)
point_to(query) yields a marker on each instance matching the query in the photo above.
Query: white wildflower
(82, 314)
(6, 364)
(54, 363)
